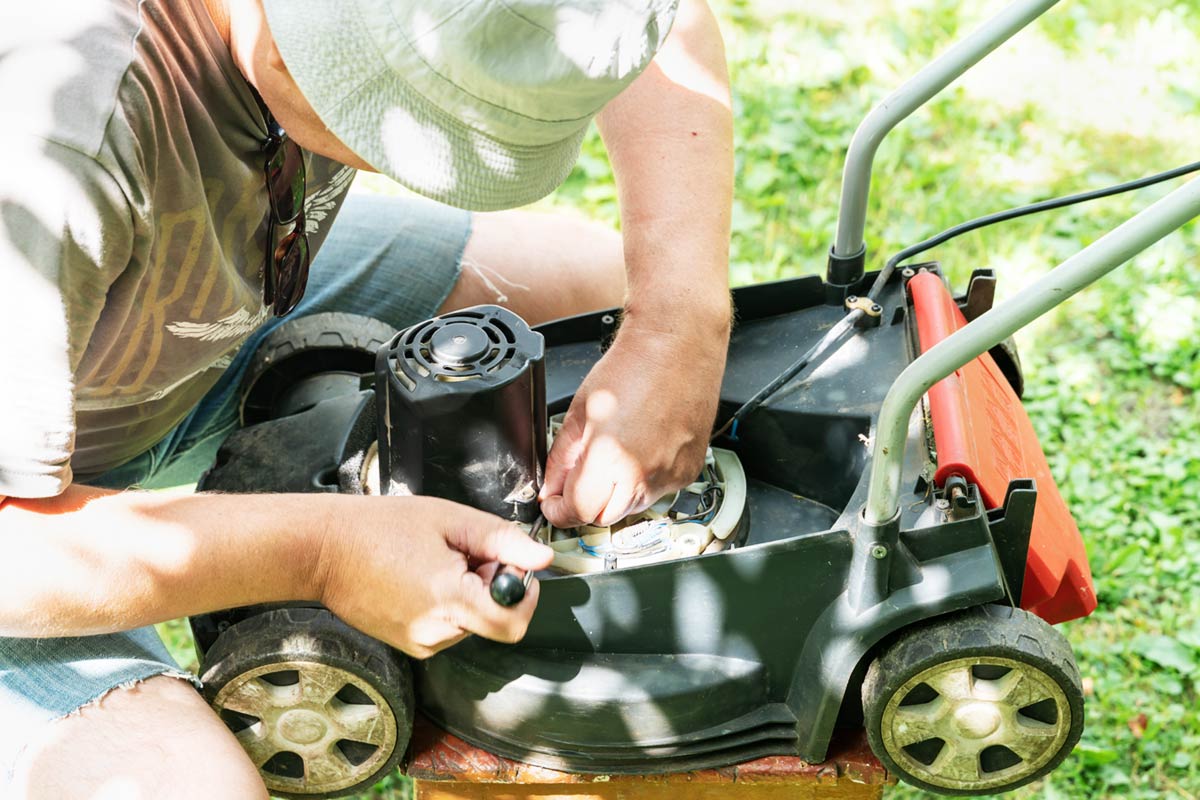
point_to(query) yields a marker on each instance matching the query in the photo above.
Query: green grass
(1094, 93)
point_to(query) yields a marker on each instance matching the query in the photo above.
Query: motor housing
(461, 404)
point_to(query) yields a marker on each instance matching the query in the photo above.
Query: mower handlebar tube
(918, 90)
(1077, 272)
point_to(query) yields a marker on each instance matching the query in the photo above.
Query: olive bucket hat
(480, 104)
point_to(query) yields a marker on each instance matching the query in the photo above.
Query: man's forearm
(639, 424)
(670, 140)
(92, 561)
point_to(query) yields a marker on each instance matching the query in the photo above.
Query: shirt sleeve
(66, 233)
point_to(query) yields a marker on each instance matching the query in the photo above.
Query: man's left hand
(639, 425)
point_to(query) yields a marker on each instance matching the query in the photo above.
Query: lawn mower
(875, 539)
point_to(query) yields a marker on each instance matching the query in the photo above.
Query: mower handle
(989, 329)
(914, 93)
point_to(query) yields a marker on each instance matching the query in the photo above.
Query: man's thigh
(156, 739)
(404, 259)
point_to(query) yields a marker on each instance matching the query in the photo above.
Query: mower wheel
(977, 702)
(321, 709)
(309, 359)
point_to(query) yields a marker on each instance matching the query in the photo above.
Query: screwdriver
(508, 586)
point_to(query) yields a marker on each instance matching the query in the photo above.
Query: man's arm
(641, 421)
(402, 569)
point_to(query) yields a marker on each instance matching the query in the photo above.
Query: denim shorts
(393, 258)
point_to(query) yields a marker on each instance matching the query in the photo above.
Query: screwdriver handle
(508, 586)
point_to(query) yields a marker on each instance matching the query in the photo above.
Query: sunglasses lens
(285, 179)
(269, 267)
(291, 271)
(285, 274)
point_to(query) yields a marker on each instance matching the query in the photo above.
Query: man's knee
(153, 740)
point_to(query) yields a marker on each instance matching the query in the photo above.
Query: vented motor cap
(485, 344)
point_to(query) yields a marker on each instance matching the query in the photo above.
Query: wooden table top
(437, 756)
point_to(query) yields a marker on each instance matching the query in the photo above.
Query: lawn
(1094, 93)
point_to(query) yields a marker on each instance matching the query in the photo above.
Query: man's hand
(415, 572)
(639, 425)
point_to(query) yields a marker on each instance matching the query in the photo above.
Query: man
(140, 246)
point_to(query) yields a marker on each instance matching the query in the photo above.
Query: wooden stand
(444, 767)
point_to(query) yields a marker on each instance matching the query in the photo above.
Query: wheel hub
(977, 720)
(301, 726)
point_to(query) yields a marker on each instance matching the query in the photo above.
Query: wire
(1021, 211)
(844, 324)
(848, 322)
(709, 500)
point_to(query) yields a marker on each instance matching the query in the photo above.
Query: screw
(852, 299)
(942, 504)
(610, 561)
(907, 272)
(876, 308)
(879, 551)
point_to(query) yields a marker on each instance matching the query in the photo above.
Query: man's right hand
(412, 571)
(415, 572)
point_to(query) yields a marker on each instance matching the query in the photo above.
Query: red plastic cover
(983, 434)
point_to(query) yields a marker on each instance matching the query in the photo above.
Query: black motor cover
(461, 401)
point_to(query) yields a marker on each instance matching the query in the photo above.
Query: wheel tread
(353, 334)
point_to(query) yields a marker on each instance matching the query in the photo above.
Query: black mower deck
(709, 661)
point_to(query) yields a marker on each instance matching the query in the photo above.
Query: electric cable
(848, 322)
(1021, 211)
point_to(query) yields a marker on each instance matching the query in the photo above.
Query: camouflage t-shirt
(132, 228)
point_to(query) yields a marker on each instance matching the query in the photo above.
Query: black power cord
(847, 322)
(1033, 208)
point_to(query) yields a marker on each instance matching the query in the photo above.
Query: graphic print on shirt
(171, 278)
(237, 325)
(325, 200)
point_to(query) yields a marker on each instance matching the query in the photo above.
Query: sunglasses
(285, 271)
